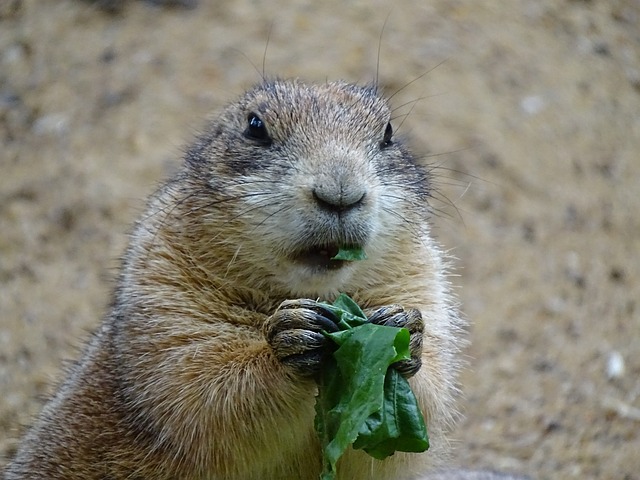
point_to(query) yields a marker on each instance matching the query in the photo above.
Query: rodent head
(294, 171)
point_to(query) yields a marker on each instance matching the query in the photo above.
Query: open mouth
(320, 257)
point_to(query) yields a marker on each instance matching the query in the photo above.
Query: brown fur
(179, 381)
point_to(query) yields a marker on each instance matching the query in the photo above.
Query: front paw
(294, 333)
(411, 319)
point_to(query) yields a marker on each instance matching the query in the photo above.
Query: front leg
(208, 393)
(411, 319)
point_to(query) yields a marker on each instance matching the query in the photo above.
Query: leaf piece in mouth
(350, 254)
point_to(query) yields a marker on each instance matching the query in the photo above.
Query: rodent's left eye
(257, 130)
(388, 133)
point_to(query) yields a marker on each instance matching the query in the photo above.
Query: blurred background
(529, 112)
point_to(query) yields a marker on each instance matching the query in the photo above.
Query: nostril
(338, 201)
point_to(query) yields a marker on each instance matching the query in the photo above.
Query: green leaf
(350, 254)
(361, 401)
(398, 425)
(353, 391)
(345, 303)
(348, 312)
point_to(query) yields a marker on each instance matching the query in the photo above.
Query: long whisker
(447, 201)
(266, 47)
(410, 102)
(415, 80)
(191, 213)
(284, 208)
(462, 173)
(407, 114)
(169, 208)
(413, 226)
(377, 80)
(253, 208)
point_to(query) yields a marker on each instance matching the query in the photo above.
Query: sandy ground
(531, 110)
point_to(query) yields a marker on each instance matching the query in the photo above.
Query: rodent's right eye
(257, 130)
(388, 133)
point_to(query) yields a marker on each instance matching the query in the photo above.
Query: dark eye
(256, 130)
(388, 133)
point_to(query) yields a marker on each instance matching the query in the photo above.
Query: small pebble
(615, 365)
(532, 104)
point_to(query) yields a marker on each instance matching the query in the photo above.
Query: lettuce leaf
(361, 401)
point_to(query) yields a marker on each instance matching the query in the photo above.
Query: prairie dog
(203, 368)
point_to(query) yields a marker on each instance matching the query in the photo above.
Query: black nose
(338, 200)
